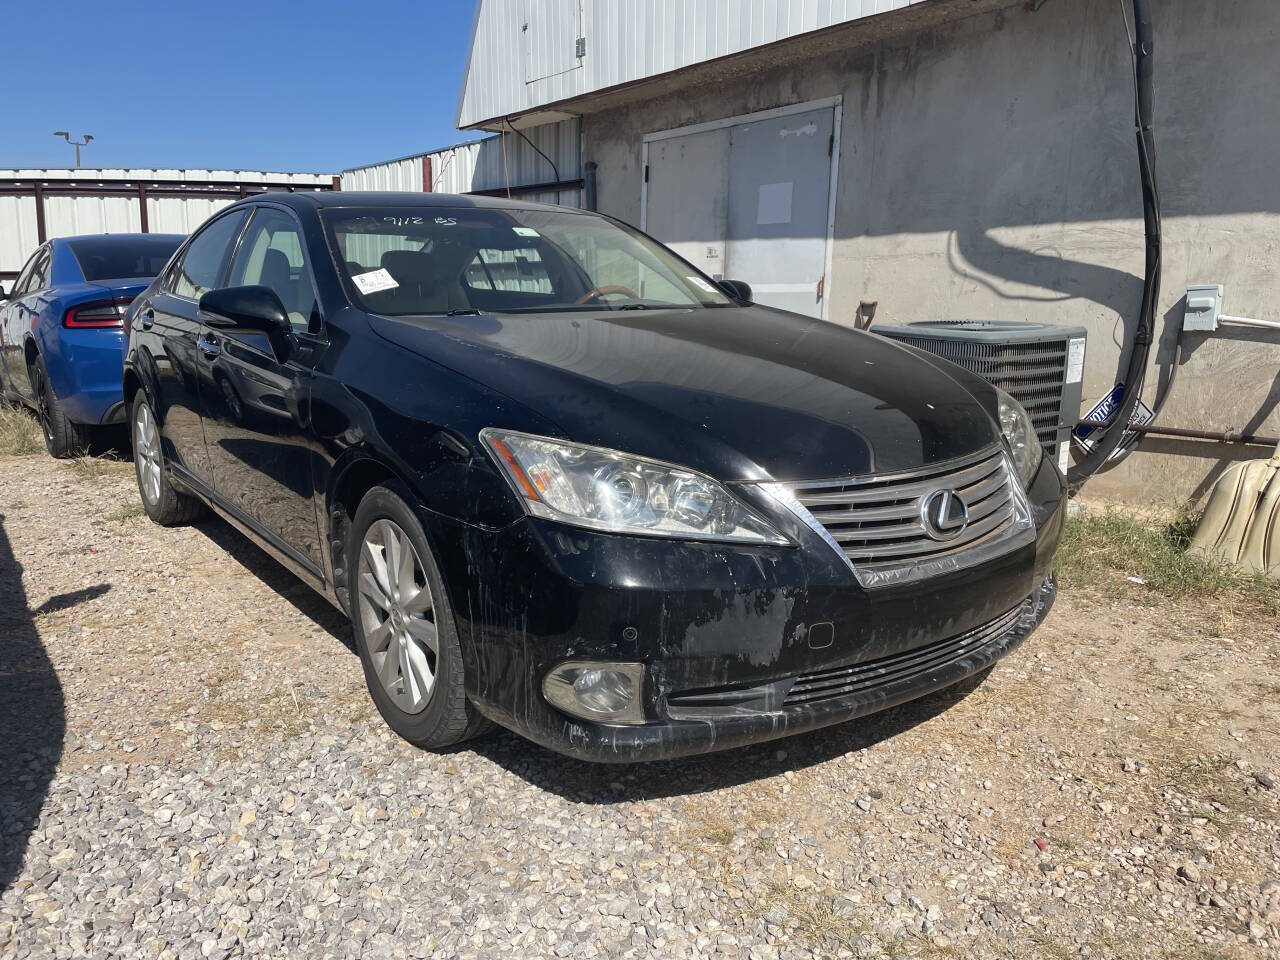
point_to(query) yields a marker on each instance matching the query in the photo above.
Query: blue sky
(267, 85)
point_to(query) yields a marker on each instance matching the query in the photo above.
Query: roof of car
(119, 237)
(361, 198)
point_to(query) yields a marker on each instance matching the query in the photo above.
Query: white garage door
(749, 199)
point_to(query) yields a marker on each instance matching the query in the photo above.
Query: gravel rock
(190, 768)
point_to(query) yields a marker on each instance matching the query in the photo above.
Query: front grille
(863, 678)
(877, 521)
(1033, 373)
(860, 677)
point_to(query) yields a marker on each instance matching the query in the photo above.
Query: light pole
(75, 143)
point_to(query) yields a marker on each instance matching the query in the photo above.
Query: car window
(271, 256)
(115, 258)
(37, 275)
(206, 258)
(23, 283)
(404, 260)
(520, 269)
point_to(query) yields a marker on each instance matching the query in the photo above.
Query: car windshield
(121, 258)
(433, 260)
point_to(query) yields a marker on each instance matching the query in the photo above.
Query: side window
(271, 256)
(23, 283)
(35, 276)
(206, 257)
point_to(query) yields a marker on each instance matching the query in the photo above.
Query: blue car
(61, 330)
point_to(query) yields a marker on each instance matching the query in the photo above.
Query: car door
(255, 393)
(16, 322)
(168, 329)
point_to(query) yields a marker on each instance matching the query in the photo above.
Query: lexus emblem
(944, 514)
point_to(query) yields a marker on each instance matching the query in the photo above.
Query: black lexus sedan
(561, 481)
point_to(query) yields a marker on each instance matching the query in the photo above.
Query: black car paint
(741, 393)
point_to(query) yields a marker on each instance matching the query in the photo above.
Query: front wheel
(165, 505)
(404, 627)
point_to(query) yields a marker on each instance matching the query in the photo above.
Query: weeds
(95, 468)
(19, 432)
(126, 513)
(1106, 547)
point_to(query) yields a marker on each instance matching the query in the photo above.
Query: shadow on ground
(32, 713)
(583, 782)
(263, 566)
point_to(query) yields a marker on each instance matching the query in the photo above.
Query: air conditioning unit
(1038, 364)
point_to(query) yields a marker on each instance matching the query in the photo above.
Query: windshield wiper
(469, 312)
(634, 306)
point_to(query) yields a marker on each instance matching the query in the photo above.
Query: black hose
(520, 133)
(1143, 52)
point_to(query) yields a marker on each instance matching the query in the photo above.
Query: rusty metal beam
(41, 236)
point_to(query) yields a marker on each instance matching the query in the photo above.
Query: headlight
(607, 490)
(1020, 433)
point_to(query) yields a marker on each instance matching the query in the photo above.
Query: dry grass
(126, 513)
(91, 469)
(19, 432)
(1105, 549)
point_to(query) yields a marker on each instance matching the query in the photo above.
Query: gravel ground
(189, 767)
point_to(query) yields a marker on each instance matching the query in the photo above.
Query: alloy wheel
(397, 615)
(146, 453)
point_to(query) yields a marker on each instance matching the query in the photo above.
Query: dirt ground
(1108, 791)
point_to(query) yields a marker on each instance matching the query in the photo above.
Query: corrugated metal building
(38, 204)
(948, 159)
(543, 164)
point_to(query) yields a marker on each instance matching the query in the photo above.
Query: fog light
(602, 692)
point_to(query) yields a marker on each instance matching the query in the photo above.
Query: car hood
(742, 393)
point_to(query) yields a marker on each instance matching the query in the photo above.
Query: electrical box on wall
(1204, 304)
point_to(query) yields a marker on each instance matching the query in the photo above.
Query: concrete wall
(988, 169)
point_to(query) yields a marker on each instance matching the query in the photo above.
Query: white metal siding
(482, 166)
(403, 174)
(72, 215)
(18, 236)
(626, 40)
(97, 175)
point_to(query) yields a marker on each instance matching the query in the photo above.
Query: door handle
(148, 318)
(209, 345)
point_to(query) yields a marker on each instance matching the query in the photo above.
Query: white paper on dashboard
(374, 281)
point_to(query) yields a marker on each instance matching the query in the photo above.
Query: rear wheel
(165, 505)
(404, 626)
(62, 437)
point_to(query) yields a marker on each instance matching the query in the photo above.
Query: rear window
(118, 258)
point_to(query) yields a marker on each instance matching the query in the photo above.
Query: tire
(163, 504)
(395, 615)
(62, 437)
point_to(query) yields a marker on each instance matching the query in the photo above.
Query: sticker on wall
(1075, 360)
(375, 281)
(701, 284)
(808, 130)
(774, 203)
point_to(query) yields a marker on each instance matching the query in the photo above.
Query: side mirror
(250, 309)
(738, 289)
(3, 296)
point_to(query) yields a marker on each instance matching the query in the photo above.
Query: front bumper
(735, 717)
(740, 644)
